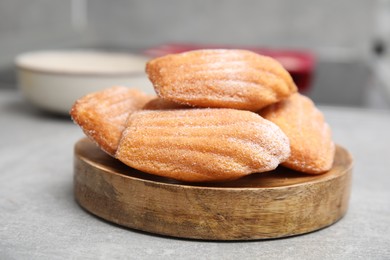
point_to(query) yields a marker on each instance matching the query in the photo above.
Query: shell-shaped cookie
(201, 144)
(220, 78)
(102, 115)
(312, 147)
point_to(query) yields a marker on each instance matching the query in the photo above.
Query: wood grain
(260, 206)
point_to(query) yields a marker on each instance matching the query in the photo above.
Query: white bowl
(54, 80)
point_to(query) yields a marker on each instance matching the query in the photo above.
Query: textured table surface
(39, 218)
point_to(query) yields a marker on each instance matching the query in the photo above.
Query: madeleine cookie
(102, 115)
(201, 144)
(312, 148)
(220, 78)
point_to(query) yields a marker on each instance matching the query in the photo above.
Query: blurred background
(349, 39)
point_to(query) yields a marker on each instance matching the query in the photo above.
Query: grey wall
(310, 24)
(35, 24)
(319, 25)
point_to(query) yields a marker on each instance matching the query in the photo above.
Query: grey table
(39, 218)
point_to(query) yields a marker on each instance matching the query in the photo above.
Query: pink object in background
(300, 64)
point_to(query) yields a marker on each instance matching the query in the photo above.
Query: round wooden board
(260, 206)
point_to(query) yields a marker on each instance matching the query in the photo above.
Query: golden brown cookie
(312, 148)
(102, 115)
(237, 79)
(201, 144)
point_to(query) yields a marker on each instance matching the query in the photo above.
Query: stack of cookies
(218, 115)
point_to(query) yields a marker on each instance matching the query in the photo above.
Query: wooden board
(260, 206)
